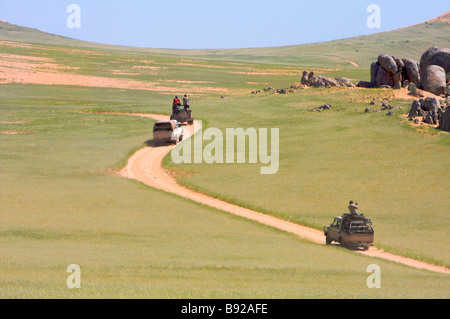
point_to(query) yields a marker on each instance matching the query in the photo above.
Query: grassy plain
(61, 202)
(331, 157)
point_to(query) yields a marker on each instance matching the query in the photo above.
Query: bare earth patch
(44, 70)
(256, 83)
(351, 62)
(12, 122)
(183, 81)
(15, 132)
(26, 72)
(147, 67)
(120, 72)
(403, 93)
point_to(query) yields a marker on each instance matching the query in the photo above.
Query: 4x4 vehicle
(167, 131)
(350, 231)
(183, 116)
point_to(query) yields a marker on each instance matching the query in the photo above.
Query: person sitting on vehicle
(353, 209)
(175, 104)
(186, 103)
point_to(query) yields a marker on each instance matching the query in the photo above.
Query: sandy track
(145, 166)
(351, 62)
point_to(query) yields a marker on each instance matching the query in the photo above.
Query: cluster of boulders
(326, 106)
(392, 72)
(310, 79)
(290, 89)
(429, 75)
(384, 106)
(434, 67)
(431, 112)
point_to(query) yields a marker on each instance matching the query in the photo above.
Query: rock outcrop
(435, 56)
(310, 79)
(411, 71)
(433, 80)
(434, 70)
(326, 106)
(444, 120)
(392, 72)
(429, 75)
(429, 109)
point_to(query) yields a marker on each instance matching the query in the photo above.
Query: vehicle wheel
(328, 241)
(190, 122)
(181, 138)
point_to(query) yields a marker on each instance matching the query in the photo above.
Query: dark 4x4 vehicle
(182, 116)
(350, 231)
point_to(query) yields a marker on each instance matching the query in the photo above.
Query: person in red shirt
(176, 103)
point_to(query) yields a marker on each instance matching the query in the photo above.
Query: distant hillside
(12, 32)
(359, 51)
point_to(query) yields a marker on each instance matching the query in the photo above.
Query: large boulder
(384, 77)
(313, 80)
(431, 118)
(435, 56)
(441, 58)
(366, 84)
(373, 71)
(431, 104)
(426, 57)
(304, 79)
(345, 82)
(444, 121)
(433, 79)
(330, 81)
(399, 62)
(397, 79)
(411, 71)
(416, 109)
(388, 63)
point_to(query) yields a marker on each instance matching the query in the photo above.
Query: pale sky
(215, 24)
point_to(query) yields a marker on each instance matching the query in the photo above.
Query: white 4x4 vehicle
(167, 131)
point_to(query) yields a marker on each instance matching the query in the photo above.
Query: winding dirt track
(145, 166)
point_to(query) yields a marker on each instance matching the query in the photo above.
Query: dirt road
(351, 62)
(145, 166)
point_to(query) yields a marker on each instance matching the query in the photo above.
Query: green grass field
(61, 202)
(329, 158)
